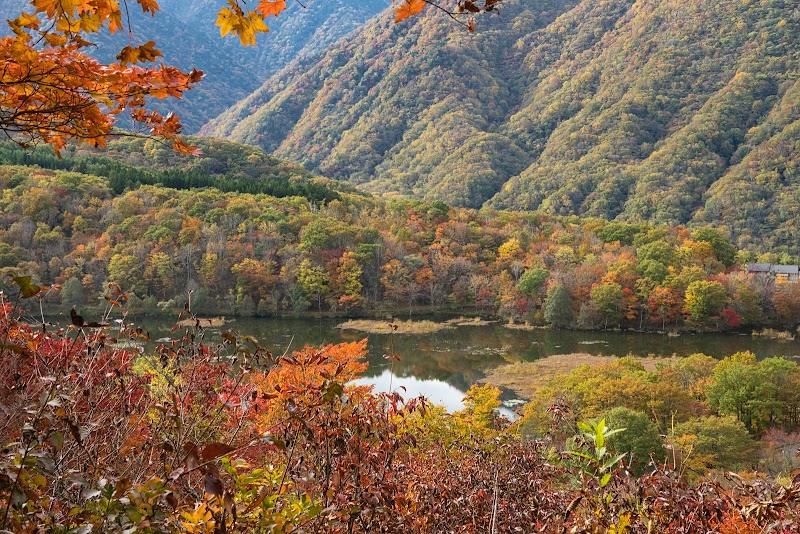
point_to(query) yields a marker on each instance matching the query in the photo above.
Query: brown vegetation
(393, 327)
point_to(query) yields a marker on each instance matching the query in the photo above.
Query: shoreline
(524, 378)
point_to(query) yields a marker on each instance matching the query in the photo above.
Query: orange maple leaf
(408, 8)
(149, 6)
(270, 7)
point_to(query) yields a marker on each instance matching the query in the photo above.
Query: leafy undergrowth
(199, 437)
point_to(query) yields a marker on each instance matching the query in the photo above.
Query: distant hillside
(184, 31)
(231, 167)
(679, 112)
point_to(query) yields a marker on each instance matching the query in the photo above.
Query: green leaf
(599, 438)
(14, 348)
(610, 433)
(612, 462)
(580, 455)
(26, 288)
(333, 391)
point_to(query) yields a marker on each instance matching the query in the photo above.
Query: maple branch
(128, 21)
(449, 13)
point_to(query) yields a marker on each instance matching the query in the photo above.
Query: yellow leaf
(83, 6)
(68, 25)
(128, 55)
(257, 23)
(408, 8)
(49, 7)
(26, 20)
(115, 22)
(55, 39)
(226, 20)
(90, 23)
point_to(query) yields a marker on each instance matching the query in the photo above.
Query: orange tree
(52, 90)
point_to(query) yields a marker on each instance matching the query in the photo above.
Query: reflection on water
(436, 391)
(443, 365)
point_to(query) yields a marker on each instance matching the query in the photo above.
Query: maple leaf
(270, 7)
(55, 39)
(149, 6)
(90, 23)
(48, 7)
(83, 6)
(233, 20)
(252, 25)
(139, 54)
(226, 20)
(408, 8)
(26, 20)
(115, 22)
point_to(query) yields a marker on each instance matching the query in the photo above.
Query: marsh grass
(771, 333)
(205, 322)
(397, 327)
(470, 321)
(523, 326)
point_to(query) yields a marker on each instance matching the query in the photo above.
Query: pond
(444, 364)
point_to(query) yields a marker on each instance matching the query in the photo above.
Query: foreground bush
(101, 435)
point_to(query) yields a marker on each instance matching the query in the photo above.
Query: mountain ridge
(648, 110)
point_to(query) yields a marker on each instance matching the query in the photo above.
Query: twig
(493, 527)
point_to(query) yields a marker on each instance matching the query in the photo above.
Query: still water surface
(443, 365)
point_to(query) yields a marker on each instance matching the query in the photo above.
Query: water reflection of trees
(460, 356)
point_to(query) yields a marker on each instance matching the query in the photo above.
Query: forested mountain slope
(184, 31)
(409, 108)
(130, 163)
(654, 110)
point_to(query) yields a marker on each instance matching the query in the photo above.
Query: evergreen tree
(558, 308)
(72, 293)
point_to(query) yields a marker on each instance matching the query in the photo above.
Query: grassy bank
(524, 378)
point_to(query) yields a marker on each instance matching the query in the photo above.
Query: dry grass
(205, 322)
(469, 321)
(524, 378)
(774, 334)
(519, 326)
(396, 327)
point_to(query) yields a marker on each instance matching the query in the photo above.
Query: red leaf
(215, 450)
(192, 460)
(214, 484)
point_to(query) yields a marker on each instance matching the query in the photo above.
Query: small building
(781, 273)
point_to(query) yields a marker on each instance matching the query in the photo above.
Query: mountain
(677, 112)
(184, 31)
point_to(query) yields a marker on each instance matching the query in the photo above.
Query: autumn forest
(542, 165)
